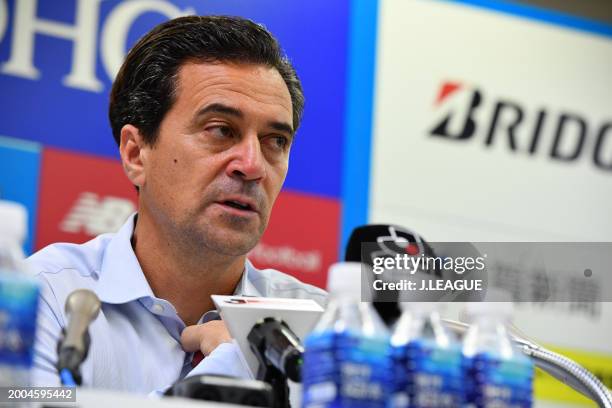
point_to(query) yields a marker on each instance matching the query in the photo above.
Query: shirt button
(158, 308)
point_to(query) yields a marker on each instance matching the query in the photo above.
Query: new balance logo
(94, 215)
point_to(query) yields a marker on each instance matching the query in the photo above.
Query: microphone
(275, 344)
(280, 353)
(82, 307)
(390, 240)
(369, 243)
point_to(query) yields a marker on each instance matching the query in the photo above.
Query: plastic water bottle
(498, 374)
(18, 299)
(346, 359)
(427, 360)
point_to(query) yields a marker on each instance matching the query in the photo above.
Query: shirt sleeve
(48, 331)
(225, 360)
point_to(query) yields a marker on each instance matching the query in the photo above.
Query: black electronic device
(224, 389)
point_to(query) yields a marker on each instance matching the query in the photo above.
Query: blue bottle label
(498, 382)
(426, 375)
(18, 310)
(345, 370)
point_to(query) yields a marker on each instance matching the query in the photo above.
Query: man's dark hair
(145, 87)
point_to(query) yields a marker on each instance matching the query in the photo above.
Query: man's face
(221, 156)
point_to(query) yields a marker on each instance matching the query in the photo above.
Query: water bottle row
(18, 299)
(352, 360)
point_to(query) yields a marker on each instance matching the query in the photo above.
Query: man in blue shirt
(204, 110)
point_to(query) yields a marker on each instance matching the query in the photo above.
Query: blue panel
(19, 178)
(313, 33)
(542, 14)
(357, 143)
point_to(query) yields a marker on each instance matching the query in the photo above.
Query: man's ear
(133, 150)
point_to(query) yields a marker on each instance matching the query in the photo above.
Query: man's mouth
(239, 205)
(243, 204)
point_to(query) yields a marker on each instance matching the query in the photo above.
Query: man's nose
(247, 160)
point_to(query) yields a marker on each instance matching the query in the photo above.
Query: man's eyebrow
(229, 110)
(281, 127)
(219, 108)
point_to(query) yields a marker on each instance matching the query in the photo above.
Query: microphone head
(82, 307)
(368, 242)
(390, 240)
(84, 302)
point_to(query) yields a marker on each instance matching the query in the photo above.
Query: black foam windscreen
(390, 239)
(364, 233)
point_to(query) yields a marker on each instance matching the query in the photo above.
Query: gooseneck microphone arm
(82, 307)
(562, 368)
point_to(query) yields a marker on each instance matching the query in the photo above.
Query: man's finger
(190, 337)
(205, 337)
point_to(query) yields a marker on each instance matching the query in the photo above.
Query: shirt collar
(246, 286)
(121, 279)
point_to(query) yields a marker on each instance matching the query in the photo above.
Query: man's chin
(223, 235)
(233, 247)
(230, 242)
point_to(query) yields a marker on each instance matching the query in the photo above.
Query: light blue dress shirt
(135, 340)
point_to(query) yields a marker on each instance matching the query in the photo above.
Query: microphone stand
(562, 368)
(69, 361)
(82, 307)
(277, 380)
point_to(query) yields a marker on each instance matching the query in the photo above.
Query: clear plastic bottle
(346, 359)
(18, 299)
(498, 374)
(426, 359)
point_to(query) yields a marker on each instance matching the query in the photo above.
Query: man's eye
(280, 142)
(221, 132)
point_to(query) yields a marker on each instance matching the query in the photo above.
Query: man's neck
(185, 278)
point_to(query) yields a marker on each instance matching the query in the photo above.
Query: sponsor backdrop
(57, 62)
(496, 125)
(465, 121)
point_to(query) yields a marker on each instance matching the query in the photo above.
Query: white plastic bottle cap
(423, 308)
(499, 303)
(13, 221)
(344, 278)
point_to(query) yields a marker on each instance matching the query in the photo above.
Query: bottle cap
(423, 308)
(13, 221)
(344, 278)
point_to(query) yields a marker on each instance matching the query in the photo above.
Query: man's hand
(205, 337)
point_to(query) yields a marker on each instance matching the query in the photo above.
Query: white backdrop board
(493, 127)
